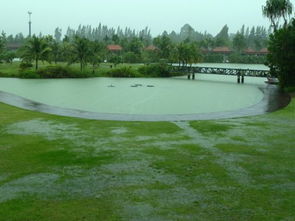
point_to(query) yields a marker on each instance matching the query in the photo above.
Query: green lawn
(59, 168)
(9, 70)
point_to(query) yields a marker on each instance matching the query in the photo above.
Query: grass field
(59, 168)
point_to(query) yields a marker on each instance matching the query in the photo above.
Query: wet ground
(231, 169)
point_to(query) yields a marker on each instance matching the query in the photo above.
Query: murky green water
(168, 96)
(206, 94)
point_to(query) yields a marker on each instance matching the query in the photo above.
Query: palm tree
(80, 51)
(66, 50)
(275, 9)
(36, 49)
(194, 54)
(55, 49)
(188, 53)
(96, 54)
(2, 44)
(286, 10)
(270, 10)
(239, 42)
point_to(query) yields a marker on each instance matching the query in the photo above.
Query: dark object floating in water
(111, 85)
(272, 80)
(136, 85)
(150, 86)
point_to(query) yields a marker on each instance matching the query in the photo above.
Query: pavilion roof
(250, 51)
(205, 50)
(221, 50)
(263, 51)
(114, 48)
(13, 46)
(151, 48)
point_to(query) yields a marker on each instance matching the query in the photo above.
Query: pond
(135, 97)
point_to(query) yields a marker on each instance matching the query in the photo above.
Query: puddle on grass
(144, 138)
(73, 182)
(3, 177)
(230, 163)
(125, 167)
(31, 184)
(119, 130)
(4, 148)
(52, 130)
(227, 161)
(46, 186)
(205, 179)
(140, 210)
(49, 129)
(177, 196)
(137, 173)
(284, 187)
(130, 181)
(172, 196)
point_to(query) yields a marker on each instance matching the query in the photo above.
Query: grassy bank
(63, 70)
(59, 168)
(13, 70)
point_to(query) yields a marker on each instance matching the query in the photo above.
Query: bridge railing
(220, 71)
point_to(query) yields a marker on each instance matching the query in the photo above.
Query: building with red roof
(151, 48)
(114, 48)
(263, 51)
(205, 50)
(249, 51)
(13, 46)
(222, 50)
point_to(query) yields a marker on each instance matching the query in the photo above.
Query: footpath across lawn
(61, 168)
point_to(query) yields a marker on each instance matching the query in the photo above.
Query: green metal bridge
(220, 71)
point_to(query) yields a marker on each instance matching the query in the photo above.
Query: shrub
(155, 70)
(8, 56)
(25, 65)
(29, 74)
(213, 58)
(246, 59)
(131, 57)
(9, 75)
(115, 59)
(289, 89)
(123, 72)
(54, 72)
(62, 72)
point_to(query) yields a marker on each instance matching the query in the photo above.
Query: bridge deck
(220, 71)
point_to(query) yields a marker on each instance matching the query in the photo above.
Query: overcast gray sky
(158, 15)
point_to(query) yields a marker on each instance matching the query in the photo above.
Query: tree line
(87, 45)
(83, 51)
(133, 42)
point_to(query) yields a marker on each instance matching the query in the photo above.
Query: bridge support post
(189, 76)
(243, 79)
(193, 76)
(238, 79)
